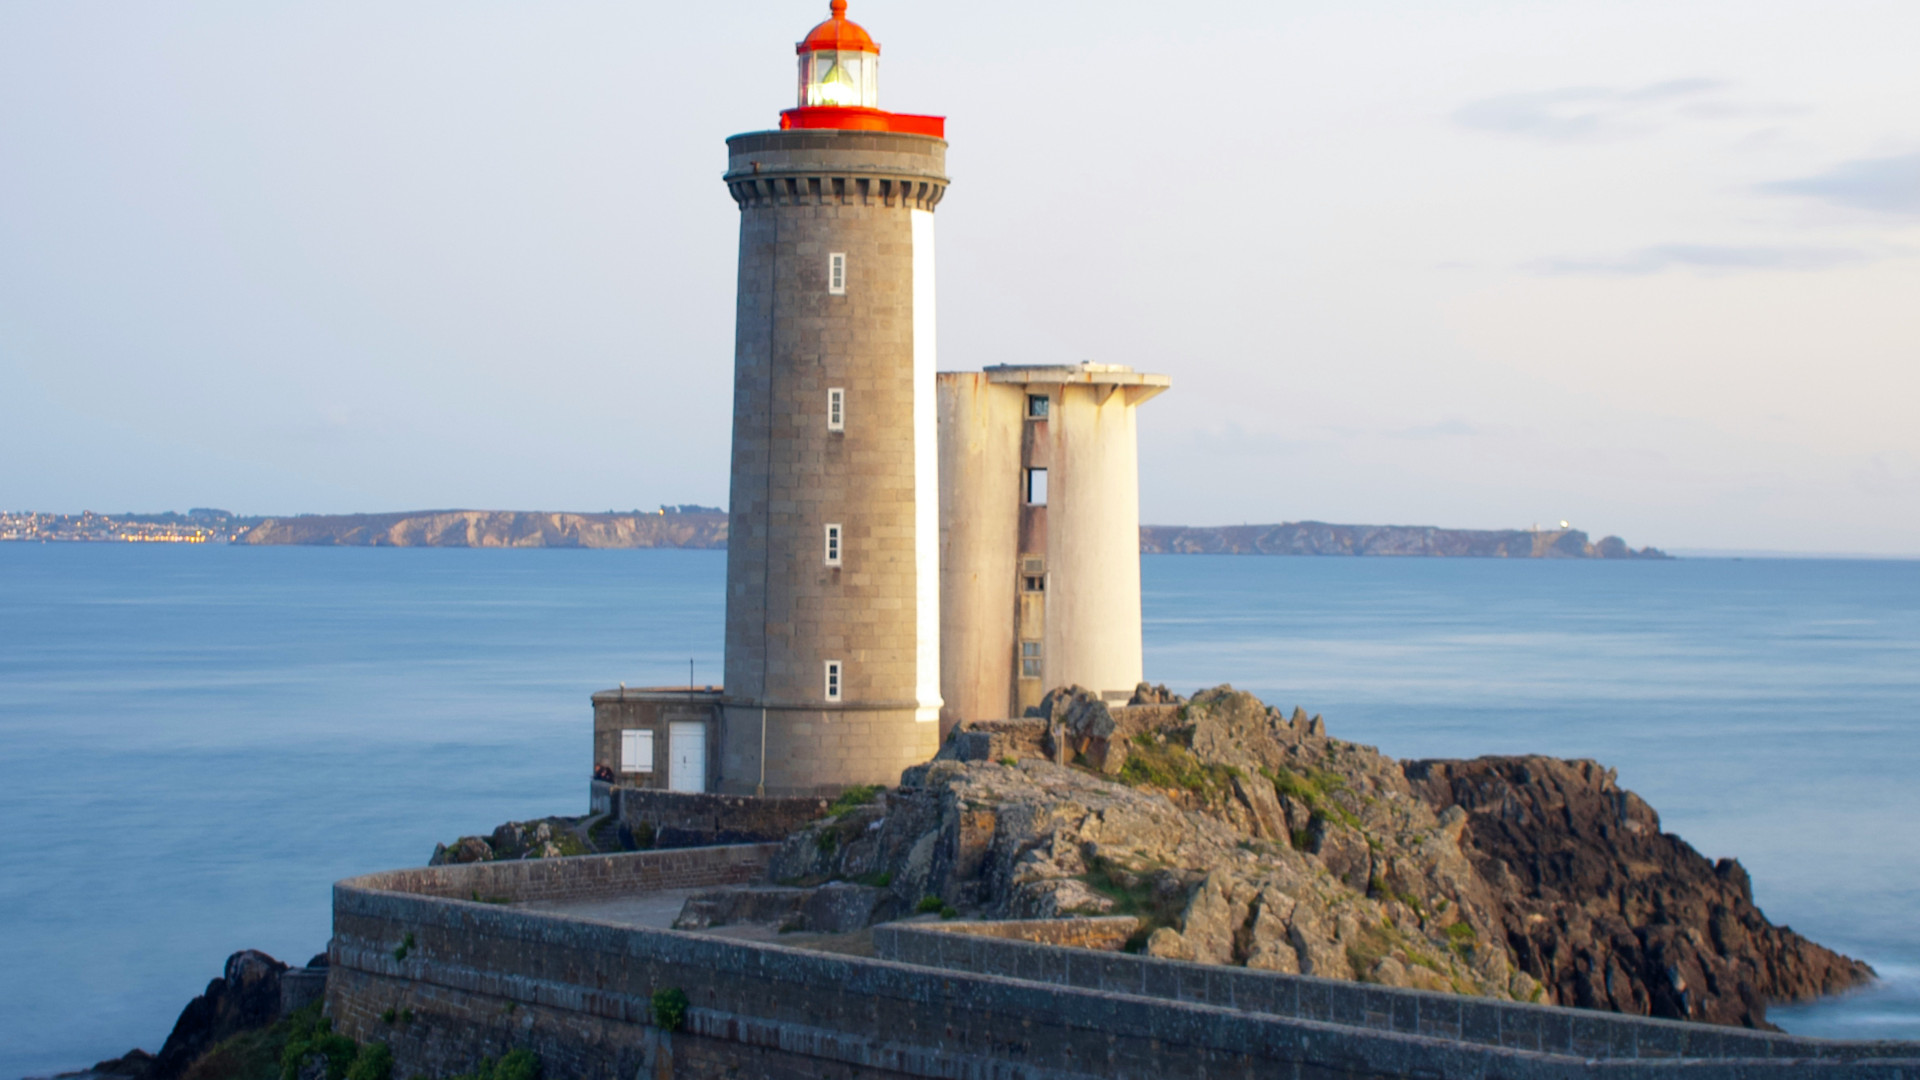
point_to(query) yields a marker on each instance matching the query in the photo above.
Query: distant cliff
(496, 529)
(1319, 538)
(701, 527)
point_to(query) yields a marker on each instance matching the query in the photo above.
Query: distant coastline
(706, 527)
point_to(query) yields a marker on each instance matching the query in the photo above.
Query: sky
(1651, 267)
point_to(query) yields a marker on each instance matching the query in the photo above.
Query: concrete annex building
(907, 548)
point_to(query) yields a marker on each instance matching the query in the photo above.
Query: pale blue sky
(1650, 266)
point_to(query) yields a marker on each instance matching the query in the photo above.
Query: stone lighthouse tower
(833, 594)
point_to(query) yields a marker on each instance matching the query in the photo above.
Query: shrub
(517, 1065)
(670, 1008)
(929, 904)
(317, 1039)
(374, 1062)
(405, 947)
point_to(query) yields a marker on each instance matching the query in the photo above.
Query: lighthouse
(907, 551)
(832, 673)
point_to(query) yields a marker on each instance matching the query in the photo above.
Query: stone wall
(579, 878)
(482, 978)
(676, 819)
(1028, 950)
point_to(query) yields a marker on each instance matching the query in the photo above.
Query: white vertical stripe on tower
(926, 474)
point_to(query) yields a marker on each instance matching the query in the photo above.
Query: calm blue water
(194, 742)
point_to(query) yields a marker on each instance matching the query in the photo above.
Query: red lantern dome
(840, 82)
(838, 33)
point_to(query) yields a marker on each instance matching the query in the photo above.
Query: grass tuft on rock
(853, 798)
(1167, 764)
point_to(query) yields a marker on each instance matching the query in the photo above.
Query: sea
(196, 741)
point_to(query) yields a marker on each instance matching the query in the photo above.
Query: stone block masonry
(675, 819)
(835, 296)
(482, 978)
(1030, 950)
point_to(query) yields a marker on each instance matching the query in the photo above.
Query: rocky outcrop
(246, 997)
(1319, 538)
(1611, 913)
(1239, 834)
(496, 529)
(541, 838)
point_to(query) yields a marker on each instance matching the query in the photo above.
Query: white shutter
(636, 751)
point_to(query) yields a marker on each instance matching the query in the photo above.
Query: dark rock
(1608, 912)
(135, 1063)
(245, 997)
(467, 849)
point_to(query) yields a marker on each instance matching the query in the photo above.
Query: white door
(687, 743)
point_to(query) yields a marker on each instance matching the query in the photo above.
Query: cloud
(1589, 113)
(1888, 185)
(1704, 258)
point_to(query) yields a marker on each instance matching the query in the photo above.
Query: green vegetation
(569, 843)
(1132, 892)
(1378, 887)
(1009, 761)
(396, 1016)
(670, 1008)
(1461, 938)
(516, 1065)
(827, 840)
(879, 880)
(929, 904)
(854, 797)
(1369, 946)
(406, 946)
(1315, 790)
(310, 1036)
(374, 1062)
(478, 899)
(253, 1055)
(1152, 762)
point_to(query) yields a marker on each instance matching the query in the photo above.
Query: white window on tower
(636, 751)
(833, 680)
(833, 545)
(837, 273)
(1036, 487)
(836, 409)
(1030, 660)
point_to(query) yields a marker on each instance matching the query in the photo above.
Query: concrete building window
(1033, 582)
(1037, 406)
(1036, 487)
(836, 409)
(1030, 660)
(837, 273)
(833, 680)
(833, 545)
(636, 751)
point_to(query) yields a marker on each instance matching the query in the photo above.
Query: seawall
(483, 977)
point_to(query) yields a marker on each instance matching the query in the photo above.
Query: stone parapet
(845, 168)
(482, 978)
(1030, 950)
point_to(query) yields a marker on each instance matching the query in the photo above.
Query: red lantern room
(840, 82)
